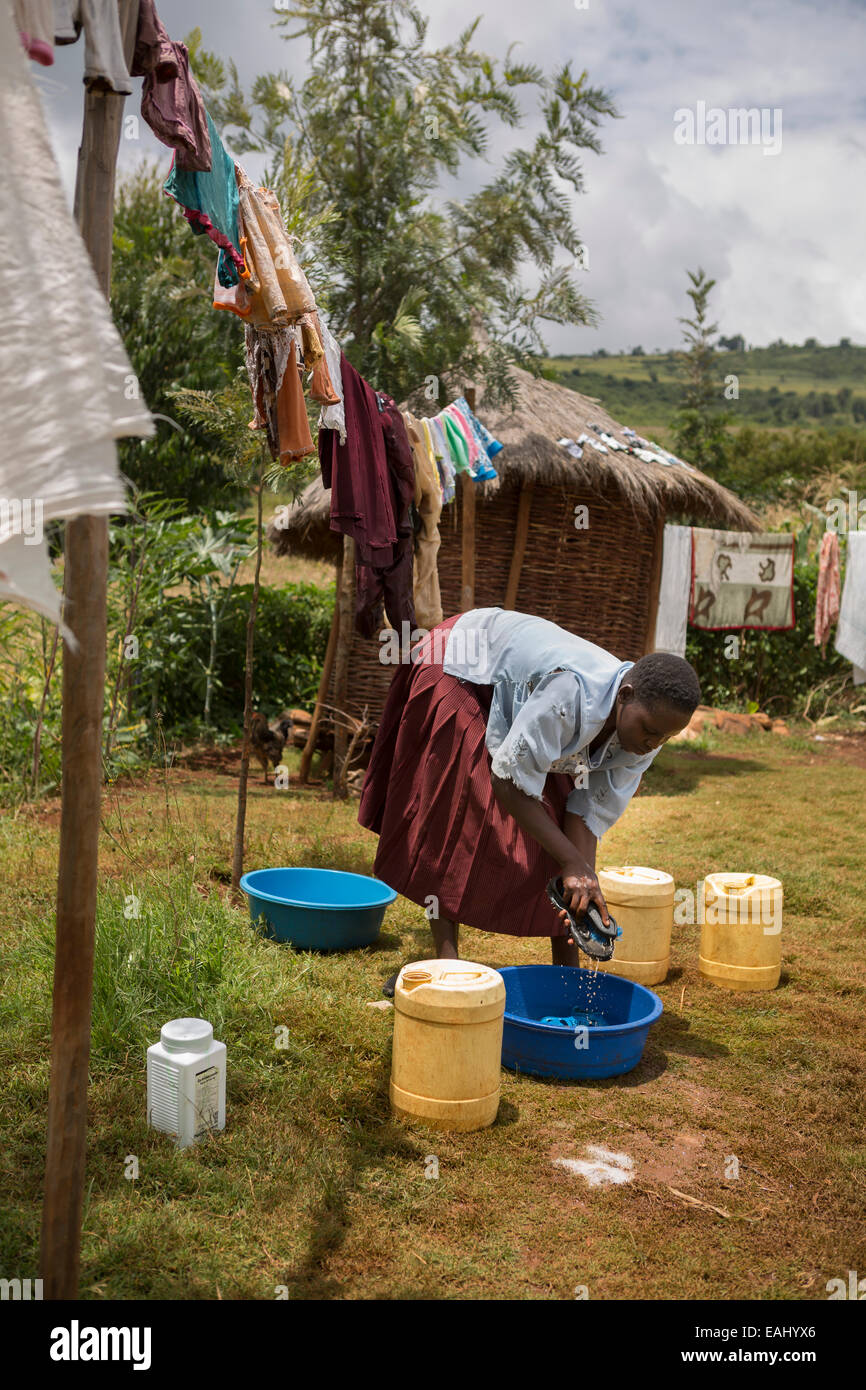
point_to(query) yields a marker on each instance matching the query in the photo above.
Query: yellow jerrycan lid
(741, 884)
(450, 991)
(635, 885)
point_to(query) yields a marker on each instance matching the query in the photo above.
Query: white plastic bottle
(186, 1081)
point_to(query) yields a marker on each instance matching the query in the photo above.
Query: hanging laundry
(35, 21)
(479, 462)
(295, 439)
(851, 627)
(456, 442)
(170, 99)
(444, 461)
(357, 472)
(390, 586)
(436, 444)
(104, 60)
(278, 396)
(278, 287)
(827, 596)
(65, 377)
(311, 344)
(321, 386)
(490, 445)
(428, 505)
(432, 465)
(473, 449)
(741, 580)
(210, 203)
(333, 417)
(674, 591)
(234, 298)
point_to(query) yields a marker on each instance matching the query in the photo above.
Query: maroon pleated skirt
(428, 795)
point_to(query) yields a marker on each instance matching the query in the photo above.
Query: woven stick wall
(595, 581)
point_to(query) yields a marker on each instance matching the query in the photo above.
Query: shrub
(292, 628)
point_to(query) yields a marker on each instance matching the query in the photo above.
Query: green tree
(418, 284)
(161, 298)
(699, 427)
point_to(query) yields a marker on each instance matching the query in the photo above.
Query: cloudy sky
(782, 233)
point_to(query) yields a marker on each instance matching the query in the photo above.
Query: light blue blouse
(552, 692)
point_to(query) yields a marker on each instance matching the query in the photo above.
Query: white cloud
(781, 235)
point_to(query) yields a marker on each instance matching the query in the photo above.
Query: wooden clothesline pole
(521, 535)
(324, 682)
(467, 529)
(345, 626)
(86, 565)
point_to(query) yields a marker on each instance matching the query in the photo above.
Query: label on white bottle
(206, 1101)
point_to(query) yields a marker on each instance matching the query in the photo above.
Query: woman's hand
(580, 888)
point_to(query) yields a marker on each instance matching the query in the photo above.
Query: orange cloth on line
(321, 385)
(292, 423)
(232, 297)
(279, 289)
(827, 596)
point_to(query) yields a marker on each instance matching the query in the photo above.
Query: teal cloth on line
(213, 193)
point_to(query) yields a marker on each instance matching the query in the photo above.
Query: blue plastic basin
(317, 909)
(534, 992)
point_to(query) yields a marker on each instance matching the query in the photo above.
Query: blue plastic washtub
(536, 992)
(317, 909)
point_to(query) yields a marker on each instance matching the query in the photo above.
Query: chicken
(268, 741)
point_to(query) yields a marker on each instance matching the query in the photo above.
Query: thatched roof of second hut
(544, 412)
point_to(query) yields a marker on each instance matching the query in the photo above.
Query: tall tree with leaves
(700, 427)
(163, 306)
(417, 284)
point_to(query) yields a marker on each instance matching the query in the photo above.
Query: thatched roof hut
(520, 541)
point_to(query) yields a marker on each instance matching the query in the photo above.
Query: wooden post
(654, 586)
(521, 533)
(86, 565)
(243, 776)
(346, 604)
(467, 529)
(324, 682)
(467, 543)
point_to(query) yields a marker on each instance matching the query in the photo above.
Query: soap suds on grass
(602, 1168)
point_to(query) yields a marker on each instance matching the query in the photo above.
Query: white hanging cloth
(67, 388)
(851, 627)
(674, 591)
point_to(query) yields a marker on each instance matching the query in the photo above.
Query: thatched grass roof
(545, 412)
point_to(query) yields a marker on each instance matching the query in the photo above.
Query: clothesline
(378, 462)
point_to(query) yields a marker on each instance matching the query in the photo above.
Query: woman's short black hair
(664, 679)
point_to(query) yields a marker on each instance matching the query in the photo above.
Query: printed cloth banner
(742, 580)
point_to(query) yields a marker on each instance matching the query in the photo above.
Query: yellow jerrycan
(447, 1053)
(741, 930)
(641, 901)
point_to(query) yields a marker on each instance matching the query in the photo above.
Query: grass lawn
(314, 1186)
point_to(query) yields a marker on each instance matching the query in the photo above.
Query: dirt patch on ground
(850, 748)
(657, 1159)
